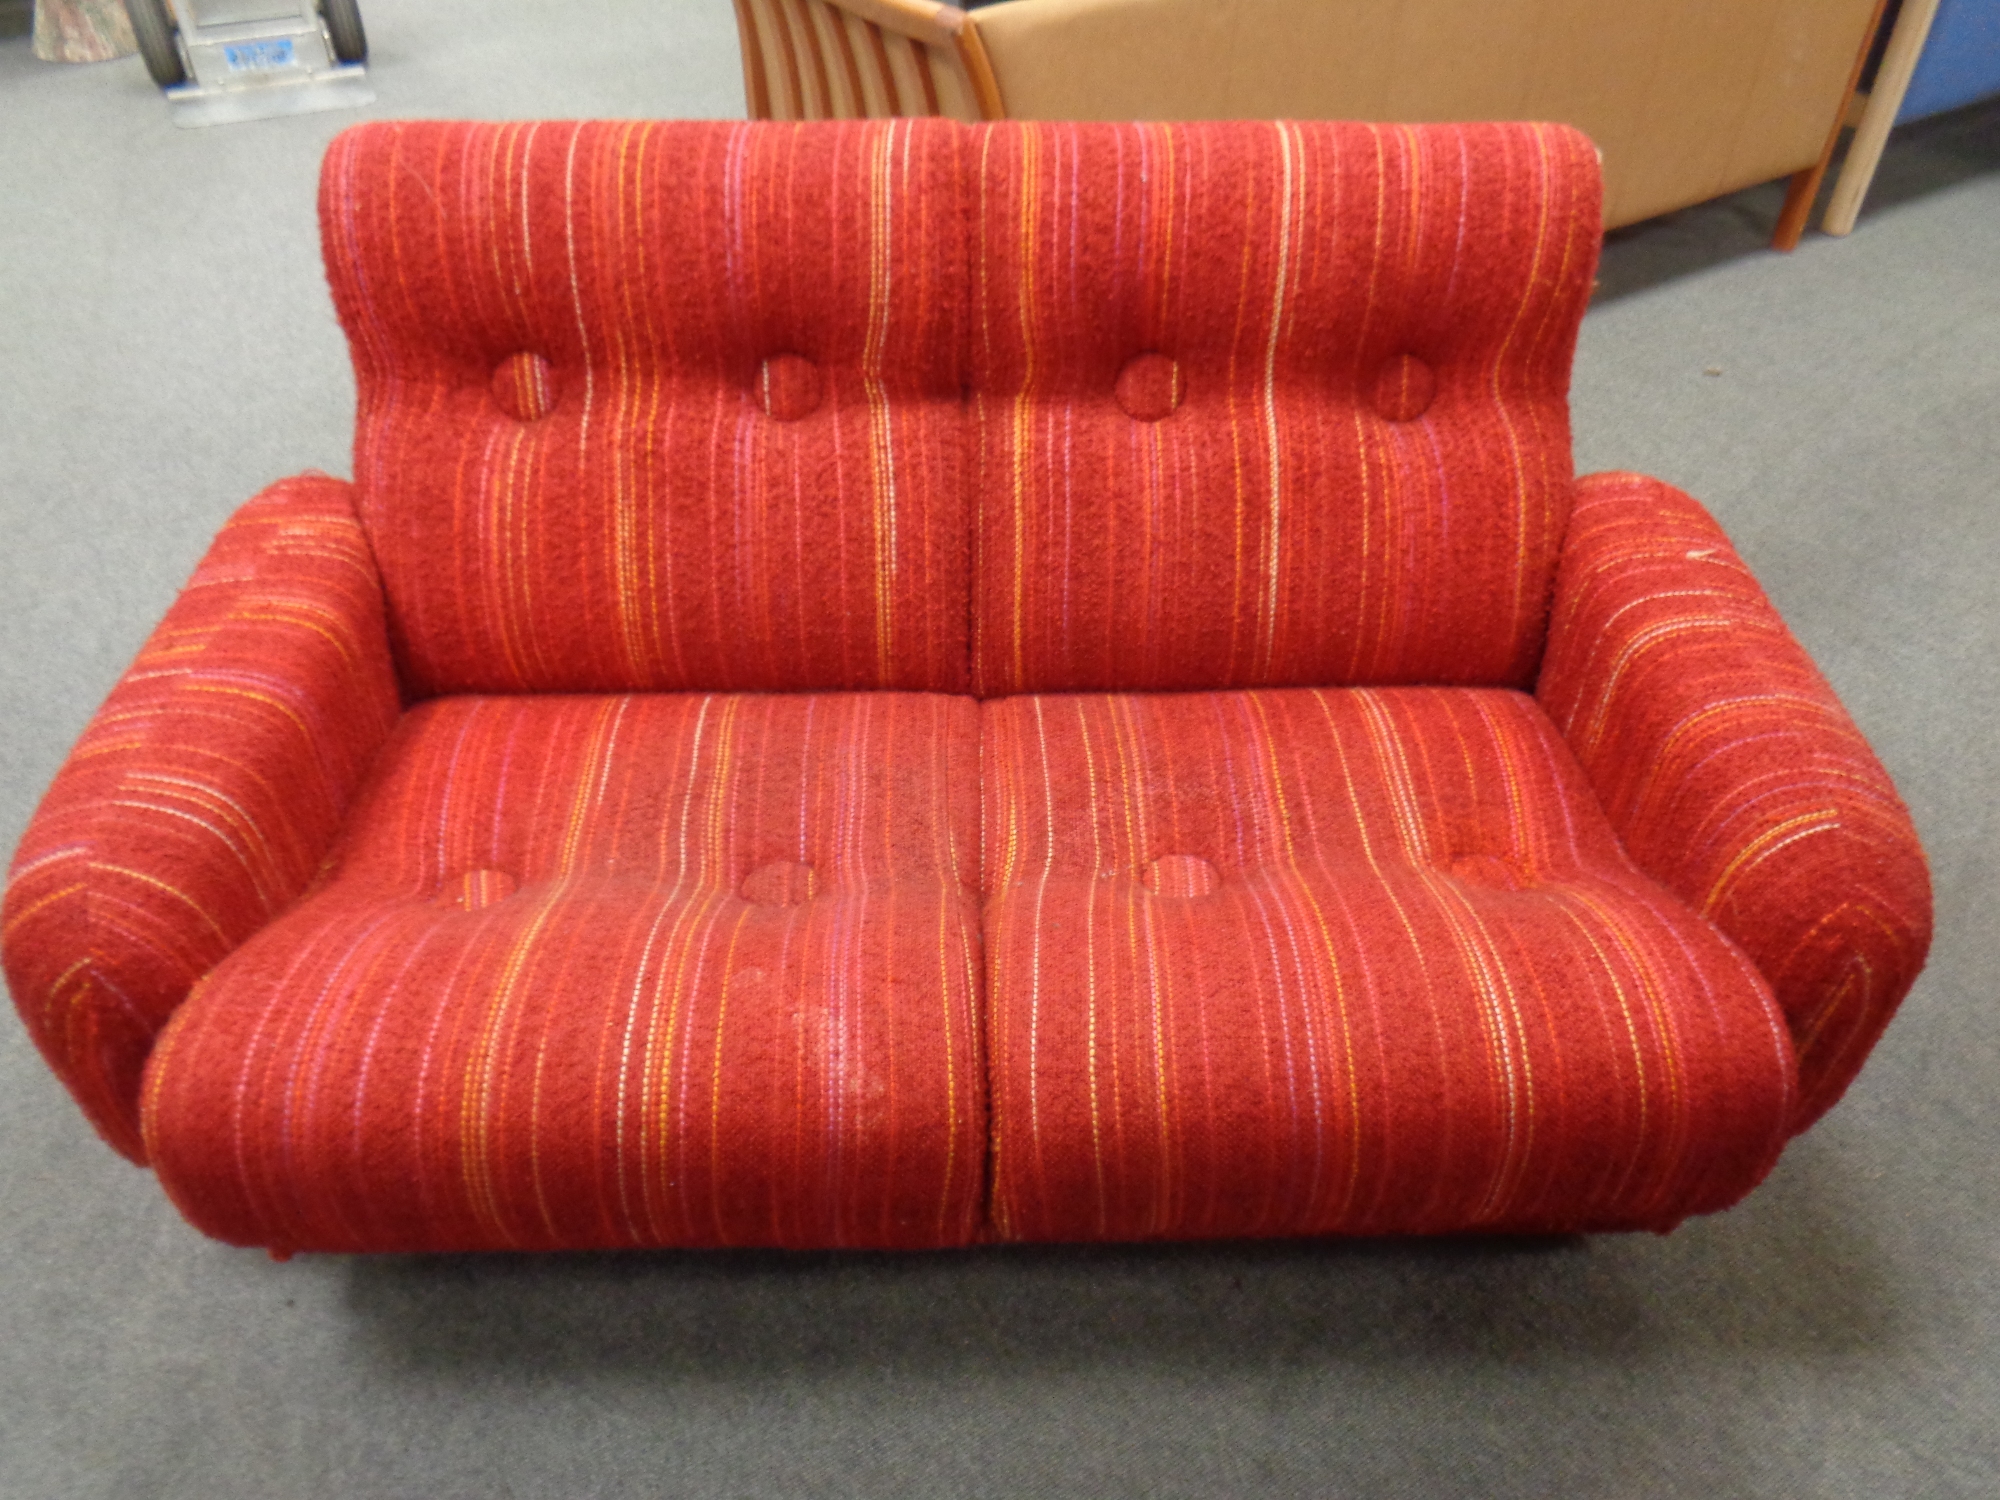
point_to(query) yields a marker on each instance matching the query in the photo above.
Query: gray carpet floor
(166, 348)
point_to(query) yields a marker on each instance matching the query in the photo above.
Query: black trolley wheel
(153, 29)
(343, 25)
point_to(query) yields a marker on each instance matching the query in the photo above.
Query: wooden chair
(848, 59)
(1686, 99)
(1942, 54)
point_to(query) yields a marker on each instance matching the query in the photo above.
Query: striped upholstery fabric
(1365, 961)
(204, 793)
(1731, 771)
(606, 971)
(577, 832)
(1274, 404)
(659, 406)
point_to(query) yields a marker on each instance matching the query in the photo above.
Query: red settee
(894, 684)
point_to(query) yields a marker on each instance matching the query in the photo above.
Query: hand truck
(225, 60)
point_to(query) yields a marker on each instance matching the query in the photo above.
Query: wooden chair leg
(1799, 195)
(1805, 184)
(1885, 102)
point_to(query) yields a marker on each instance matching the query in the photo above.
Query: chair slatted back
(863, 59)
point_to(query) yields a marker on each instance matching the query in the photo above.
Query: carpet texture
(167, 349)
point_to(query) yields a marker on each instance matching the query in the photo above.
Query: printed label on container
(260, 56)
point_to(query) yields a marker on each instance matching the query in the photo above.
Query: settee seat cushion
(1360, 961)
(609, 971)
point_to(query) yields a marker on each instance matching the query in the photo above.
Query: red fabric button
(1182, 875)
(789, 387)
(1150, 387)
(1404, 388)
(780, 883)
(524, 386)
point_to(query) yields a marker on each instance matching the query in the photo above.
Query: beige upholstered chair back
(1686, 99)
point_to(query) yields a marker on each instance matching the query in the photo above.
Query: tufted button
(789, 387)
(1182, 876)
(476, 890)
(1404, 388)
(1489, 870)
(780, 883)
(1150, 387)
(524, 387)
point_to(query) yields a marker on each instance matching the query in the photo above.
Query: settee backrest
(908, 404)
(1271, 404)
(660, 405)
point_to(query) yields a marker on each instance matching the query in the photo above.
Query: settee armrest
(1731, 771)
(204, 794)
